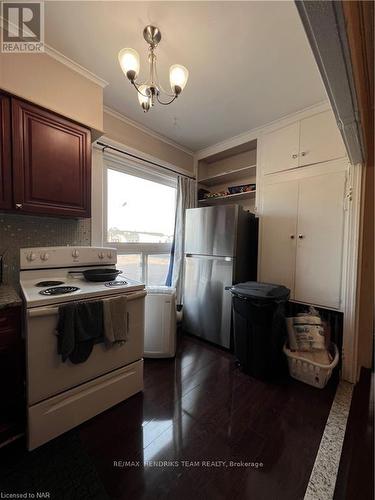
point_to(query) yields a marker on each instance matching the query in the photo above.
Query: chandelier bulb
(129, 62)
(144, 97)
(178, 77)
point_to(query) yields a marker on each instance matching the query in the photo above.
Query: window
(131, 264)
(139, 221)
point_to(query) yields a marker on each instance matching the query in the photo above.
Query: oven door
(47, 375)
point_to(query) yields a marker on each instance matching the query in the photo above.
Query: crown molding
(74, 65)
(254, 133)
(146, 130)
(66, 61)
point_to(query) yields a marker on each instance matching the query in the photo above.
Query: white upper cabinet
(309, 141)
(280, 149)
(320, 139)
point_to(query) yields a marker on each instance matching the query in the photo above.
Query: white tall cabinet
(319, 239)
(302, 228)
(278, 232)
(302, 172)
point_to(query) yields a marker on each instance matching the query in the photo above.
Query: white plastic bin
(160, 322)
(309, 372)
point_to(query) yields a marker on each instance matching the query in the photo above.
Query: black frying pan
(99, 274)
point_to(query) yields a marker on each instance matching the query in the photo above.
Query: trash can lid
(261, 291)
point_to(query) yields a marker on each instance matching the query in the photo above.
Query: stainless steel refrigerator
(220, 250)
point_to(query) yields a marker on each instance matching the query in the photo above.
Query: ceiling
(249, 62)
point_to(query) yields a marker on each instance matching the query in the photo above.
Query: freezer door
(211, 230)
(207, 305)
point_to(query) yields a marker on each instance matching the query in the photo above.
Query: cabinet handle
(18, 206)
(301, 236)
(303, 153)
(294, 156)
(292, 236)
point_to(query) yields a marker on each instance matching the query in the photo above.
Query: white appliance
(63, 395)
(160, 323)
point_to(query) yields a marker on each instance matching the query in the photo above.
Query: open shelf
(232, 175)
(229, 197)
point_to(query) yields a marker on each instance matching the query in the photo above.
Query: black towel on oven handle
(80, 326)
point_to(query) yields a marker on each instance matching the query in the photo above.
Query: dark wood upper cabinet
(5, 154)
(51, 163)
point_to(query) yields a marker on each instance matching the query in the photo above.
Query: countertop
(9, 297)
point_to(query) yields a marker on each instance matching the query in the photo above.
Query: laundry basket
(309, 372)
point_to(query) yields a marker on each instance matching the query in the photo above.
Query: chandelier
(151, 90)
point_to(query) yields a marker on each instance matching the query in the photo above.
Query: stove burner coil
(49, 283)
(59, 290)
(110, 284)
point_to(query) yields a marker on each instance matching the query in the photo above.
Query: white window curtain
(186, 198)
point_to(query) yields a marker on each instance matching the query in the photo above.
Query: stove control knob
(101, 255)
(109, 255)
(31, 256)
(75, 253)
(44, 256)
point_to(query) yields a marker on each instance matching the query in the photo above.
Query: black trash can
(259, 328)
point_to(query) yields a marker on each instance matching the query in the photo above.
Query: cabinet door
(320, 239)
(320, 139)
(5, 154)
(51, 162)
(278, 233)
(280, 149)
(11, 356)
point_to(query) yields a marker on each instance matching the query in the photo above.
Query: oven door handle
(51, 311)
(42, 311)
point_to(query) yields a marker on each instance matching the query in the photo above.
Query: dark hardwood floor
(355, 479)
(199, 407)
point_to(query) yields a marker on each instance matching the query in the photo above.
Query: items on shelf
(204, 194)
(243, 188)
(216, 195)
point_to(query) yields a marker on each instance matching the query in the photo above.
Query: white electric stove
(56, 270)
(63, 395)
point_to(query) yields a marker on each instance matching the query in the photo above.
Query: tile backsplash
(19, 231)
